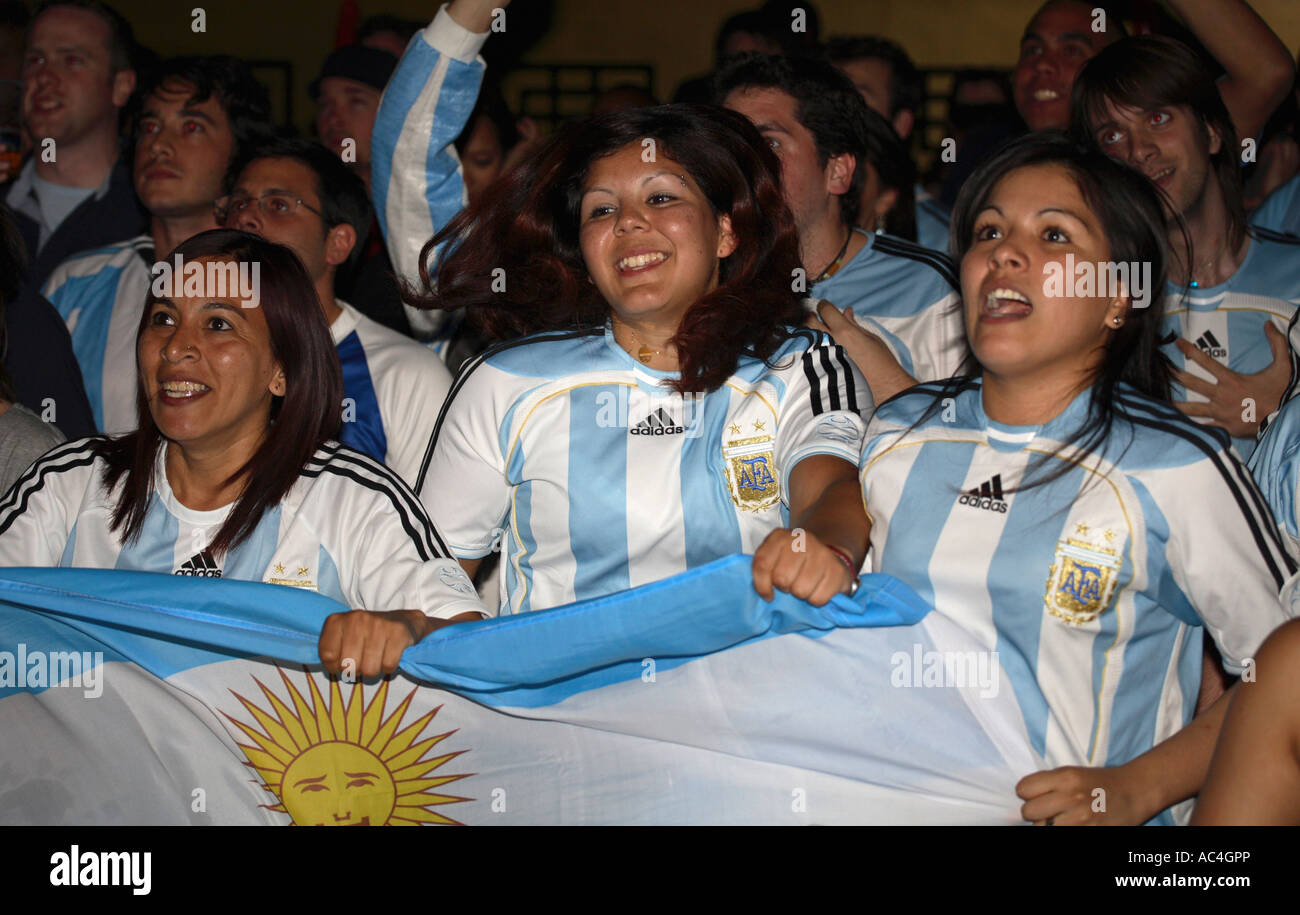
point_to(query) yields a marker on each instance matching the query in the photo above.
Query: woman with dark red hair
(233, 471)
(654, 406)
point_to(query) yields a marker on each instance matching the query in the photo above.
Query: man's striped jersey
(1280, 210)
(415, 179)
(910, 297)
(99, 295)
(931, 221)
(1092, 588)
(1226, 322)
(565, 452)
(393, 388)
(349, 528)
(1276, 467)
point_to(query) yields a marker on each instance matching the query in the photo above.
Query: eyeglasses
(273, 206)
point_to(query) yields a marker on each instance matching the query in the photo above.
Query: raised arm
(416, 181)
(1259, 71)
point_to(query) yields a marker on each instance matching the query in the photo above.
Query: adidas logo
(988, 496)
(1210, 345)
(201, 564)
(657, 423)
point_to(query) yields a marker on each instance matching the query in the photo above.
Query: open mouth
(1162, 177)
(182, 390)
(1046, 95)
(635, 263)
(1006, 303)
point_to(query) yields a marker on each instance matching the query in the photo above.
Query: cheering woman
(1060, 508)
(656, 406)
(233, 472)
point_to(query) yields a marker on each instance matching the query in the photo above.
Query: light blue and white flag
(134, 698)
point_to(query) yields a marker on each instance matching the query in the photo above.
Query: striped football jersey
(569, 455)
(393, 388)
(1093, 587)
(349, 528)
(1226, 322)
(907, 295)
(100, 295)
(415, 176)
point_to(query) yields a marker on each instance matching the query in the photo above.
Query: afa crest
(751, 472)
(1083, 576)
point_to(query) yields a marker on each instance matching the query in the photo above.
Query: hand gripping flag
(135, 698)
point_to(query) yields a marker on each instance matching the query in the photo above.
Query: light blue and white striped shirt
(415, 178)
(348, 528)
(932, 222)
(1280, 210)
(907, 295)
(1276, 466)
(564, 451)
(393, 388)
(1092, 588)
(100, 296)
(1227, 321)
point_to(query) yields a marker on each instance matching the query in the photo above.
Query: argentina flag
(136, 698)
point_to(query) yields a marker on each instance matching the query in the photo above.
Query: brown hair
(527, 223)
(1152, 71)
(307, 416)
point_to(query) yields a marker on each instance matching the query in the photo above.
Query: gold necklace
(644, 353)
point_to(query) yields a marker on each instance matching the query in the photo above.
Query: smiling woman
(655, 407)
(233, 472)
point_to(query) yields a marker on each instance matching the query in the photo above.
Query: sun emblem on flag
(331, 763)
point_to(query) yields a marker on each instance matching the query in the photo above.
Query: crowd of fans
(449, 367)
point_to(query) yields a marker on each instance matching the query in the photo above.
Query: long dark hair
(1152, 71)
(524, 230)
(305, 417)
(1132, 220)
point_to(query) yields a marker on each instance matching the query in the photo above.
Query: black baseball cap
(371, 66)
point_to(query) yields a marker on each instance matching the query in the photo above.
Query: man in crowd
(301, 195)
(74, 192)
(904, 294)
(197, 114)
(1150, 102)
(1064, 34)
(347, 95)
(891, 86)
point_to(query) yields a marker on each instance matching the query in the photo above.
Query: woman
(1057, 505)
(655, 409)
(233, 471)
